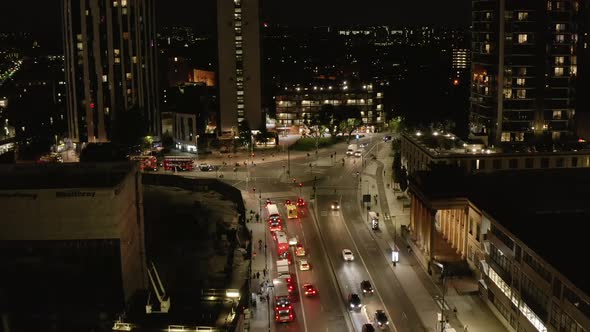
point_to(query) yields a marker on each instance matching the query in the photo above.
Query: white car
(293, 241)
(304, 265)
(347, 255)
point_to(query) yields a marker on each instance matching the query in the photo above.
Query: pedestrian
(257, 275)
(264, 272)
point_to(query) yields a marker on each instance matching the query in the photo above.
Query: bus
(282, 243)
(146, 163)
(292, 211)
(178, 163)
(283, 309)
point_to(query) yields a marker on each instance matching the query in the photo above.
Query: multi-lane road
(325, 233)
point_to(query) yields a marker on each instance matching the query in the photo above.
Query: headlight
(352, 305)
(387, 322)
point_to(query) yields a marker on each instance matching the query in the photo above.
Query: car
(287, 202)
(358, 153)
(363, 145)
(367, 287)
(299, 250)
(205, 167)
(309, 290)
(387, 138)
(304, 265)
(381, 318)
(335, 205)
(347, 255)
(354, 302)
(368, 328)
(293, 241)
(300, 202)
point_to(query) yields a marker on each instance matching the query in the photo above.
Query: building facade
(238, 34)
(111, 65)
(525, 67)
(421, 150)
(72, 238)
(298, 103)
(523, 262)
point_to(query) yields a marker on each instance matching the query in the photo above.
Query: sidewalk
(421, 289)
(261, 315)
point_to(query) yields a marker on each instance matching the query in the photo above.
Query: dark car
(354, 302)
(368, 328)
(366, 287)
(387, 138)
(206, 167)
(381, 318)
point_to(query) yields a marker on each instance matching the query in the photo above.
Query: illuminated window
(115, 3)
(521, 93)
(556, 115)
(240, 93)
(559, 38)
(560, 27)
(522, 38)
(128, 76)
(558, 71)
(559, 60)
(123, 3)
(117, 60)
(80, 46)
(104, 78)
(520, 81)
(116, 51)
(487, 48)
(523, 16)
(507, 93)
(574, 70)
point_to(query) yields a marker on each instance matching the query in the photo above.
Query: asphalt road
(324, 234)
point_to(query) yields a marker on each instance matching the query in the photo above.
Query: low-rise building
(296, 104)
(421, 150)
(72, 242)
(521, 232)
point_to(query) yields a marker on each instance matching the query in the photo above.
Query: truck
(283, 309)
(351, 149)
(283, 267)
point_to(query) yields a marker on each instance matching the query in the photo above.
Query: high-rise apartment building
(238, 33)
(525, 67)
(111, 61)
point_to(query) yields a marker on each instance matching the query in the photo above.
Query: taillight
(290, 316)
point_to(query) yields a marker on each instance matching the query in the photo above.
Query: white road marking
(369, 273)
(300, 297)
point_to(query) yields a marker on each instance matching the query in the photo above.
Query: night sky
(44, 21)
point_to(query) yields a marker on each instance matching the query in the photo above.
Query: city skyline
(45, 23)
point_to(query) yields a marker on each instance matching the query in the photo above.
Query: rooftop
(547, 209)
(445, 144)
(59, 176)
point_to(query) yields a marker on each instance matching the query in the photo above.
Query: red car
(309, 290)
(300, 202)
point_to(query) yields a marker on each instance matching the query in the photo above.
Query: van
(351, 149)
(374, 220)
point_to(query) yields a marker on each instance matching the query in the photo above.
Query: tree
(264, 136)
(245, 133)
(397, 167)
(403, 183)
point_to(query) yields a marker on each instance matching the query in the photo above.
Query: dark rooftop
(58, 176)
(546, 209)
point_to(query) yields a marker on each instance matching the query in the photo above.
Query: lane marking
(369, 273)
(345, 312)
(300, 297)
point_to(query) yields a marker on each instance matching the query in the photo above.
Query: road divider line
(300, 296)
(335, 282)
(369, 273)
